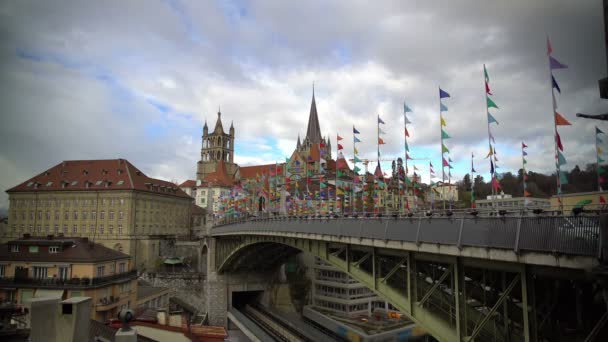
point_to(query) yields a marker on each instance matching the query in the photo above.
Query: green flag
(563, 179)
(445, 135)
(490, 103)
(561, 160)
(444, 149)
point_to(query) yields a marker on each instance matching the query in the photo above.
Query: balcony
(109, 303)
(73, 283)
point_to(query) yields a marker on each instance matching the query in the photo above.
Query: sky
(137, 80)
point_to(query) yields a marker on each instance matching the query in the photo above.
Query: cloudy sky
(137, 79)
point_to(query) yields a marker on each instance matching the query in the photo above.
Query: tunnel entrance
(242, 298)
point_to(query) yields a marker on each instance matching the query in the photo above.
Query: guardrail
(73, 283)
(573, 235)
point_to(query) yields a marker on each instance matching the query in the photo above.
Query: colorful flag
(490, 103)
(340, 138)
(523, 145)
(558, 140)
(406, 109)
(561, 160)
(555, 85)
(442, 121)
(340, 147)
(380, 120)
(555, 64)
(444, 149)
(445, 135)
(442, 107)
(355, 130)
(380, 141)
(560, 120)
(443, 94)
(407, 134)
(491, 119)
(357, 139)
(445, 162)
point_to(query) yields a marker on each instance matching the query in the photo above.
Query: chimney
(61, 321)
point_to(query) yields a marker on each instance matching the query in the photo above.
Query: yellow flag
(490, 153)
(356, 151)
(599, 150)
(340, 192)
(442, 121)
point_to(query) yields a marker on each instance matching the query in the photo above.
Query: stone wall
(190, 287)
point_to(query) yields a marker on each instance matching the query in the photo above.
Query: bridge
(466, 278)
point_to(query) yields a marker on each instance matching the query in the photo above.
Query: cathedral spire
(313, 133)
(219, 128)
(298, 145)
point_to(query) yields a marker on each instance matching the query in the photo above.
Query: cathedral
(218, 148)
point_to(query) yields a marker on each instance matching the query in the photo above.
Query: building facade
(65, 267)
(108, 201)
(217, 147)
(507, 202)
(594, 199)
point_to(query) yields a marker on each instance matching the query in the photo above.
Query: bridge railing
(573, 235)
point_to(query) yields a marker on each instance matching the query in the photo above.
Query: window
(38, 229)
(54, 249)
(14, 227)
(31, 215)
(23, 215)
(111, 214)
(40, 214)
(121, 267)
(100, 271)
(92, 229)
(110, 229)
(93, 215)
(56, 228)
(2, 271)
(63, 273)
(75, 229)
(15, 248)
(65, 229)
(120, 215)
(112, 268)
(31, 228)
(66, 215)
(102, 215)
(84, 215)
(48, 215)
(122, 200)
(120, 229)
(56, 214)
(40, 272)
(46, 228)
(75, 215)
(101, 229)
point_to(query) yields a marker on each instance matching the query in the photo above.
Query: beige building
(445, 192)
(507, 202)
(108, 201)
(65, 267)
(569, 201)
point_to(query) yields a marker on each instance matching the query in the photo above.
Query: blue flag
(357, 140)
(380, 120)
(491, 119)
(406, 109)
(442, 107)
(355, 130)
(555, 85)
(443, 94)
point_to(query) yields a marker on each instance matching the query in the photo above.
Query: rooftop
(88, 175)
(74, 249)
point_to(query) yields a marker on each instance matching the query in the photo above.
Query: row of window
(46, 229)
(66, 215)
(68, 202)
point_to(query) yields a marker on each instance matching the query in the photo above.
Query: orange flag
(527, 194)
(560, 120)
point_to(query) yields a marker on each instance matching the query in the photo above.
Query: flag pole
(523, 176)
(405, 108)
(472, 181)
(492, 168)
(352, 197)
(442, 158)
(597, 158)
(377, 202)
(336, 173)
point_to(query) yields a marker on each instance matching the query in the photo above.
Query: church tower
(217, 147)
(313, 138)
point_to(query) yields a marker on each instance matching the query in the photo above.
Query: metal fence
(573, 235)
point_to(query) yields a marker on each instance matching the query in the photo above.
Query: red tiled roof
(190, 183)
(87, 175)
(247, 172)
(73, 249)
(219, 177)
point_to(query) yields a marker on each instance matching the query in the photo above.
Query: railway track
(278, 330)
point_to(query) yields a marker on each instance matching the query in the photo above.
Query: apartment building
(108, 201)
(66, 267)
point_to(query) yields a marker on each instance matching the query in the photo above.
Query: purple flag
(555, 64)
(443, 94)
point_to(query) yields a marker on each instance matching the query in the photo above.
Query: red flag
(560, 120)
(525, 177)
(407, 156)
(321, 145)
(445, 162)
(340, 138)
(495, 183)
(407, 134)
(488, 89)
(523, 145)
(527, 194)
(380, 141)
(549, 48)
(279, 169)
(340, 147)
(559, 142)
(602, 200)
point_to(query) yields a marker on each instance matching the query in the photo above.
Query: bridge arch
(441, 293)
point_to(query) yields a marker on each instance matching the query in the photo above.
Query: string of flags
(406, 121)
(472, 181)
(491, 141)
(524, 171)
(559, 120)
(444, 135)
(601, 159)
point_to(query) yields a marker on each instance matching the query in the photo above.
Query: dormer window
(120, 182)
(104, 172)
(85, 172)
(30, 184)
(47, 173)
(98, 182)
(119, 171)
(64, 184)
(74, 183)
(49, 183)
